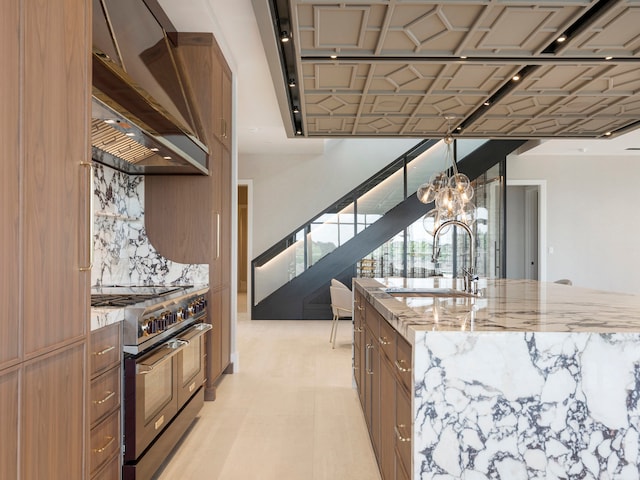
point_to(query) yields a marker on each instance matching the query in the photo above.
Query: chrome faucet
(470, 278)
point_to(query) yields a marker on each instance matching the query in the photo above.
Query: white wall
(515, 232)
(593, 224)
(289, 190)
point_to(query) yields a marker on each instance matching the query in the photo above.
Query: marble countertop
(503, 306)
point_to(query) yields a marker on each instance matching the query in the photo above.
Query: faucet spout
(470, 277)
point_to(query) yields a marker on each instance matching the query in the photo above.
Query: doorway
(526, 230)
(244, 244)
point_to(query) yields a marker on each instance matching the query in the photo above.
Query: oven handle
(195, 332)
(174, 346)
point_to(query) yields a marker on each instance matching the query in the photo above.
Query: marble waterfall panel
(123, 254)
(524, 406)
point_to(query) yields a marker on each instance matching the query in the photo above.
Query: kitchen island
(527, 380)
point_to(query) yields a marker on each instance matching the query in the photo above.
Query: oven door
(156, 400)
(190, 362)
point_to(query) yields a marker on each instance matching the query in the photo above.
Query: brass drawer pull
(367, 360)
(105, 351)
(100, 450)
(360, 308)
(399, 435)
(105, 399)
(384, 341)
(88, 217)
(400, 367)
(358, 330)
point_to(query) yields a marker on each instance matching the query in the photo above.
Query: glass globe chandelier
(452, 195)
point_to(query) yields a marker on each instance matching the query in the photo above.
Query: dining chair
(341, 307)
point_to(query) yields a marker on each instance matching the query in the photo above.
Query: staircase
(306, 296)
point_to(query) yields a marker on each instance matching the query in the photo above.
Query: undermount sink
(427, 292)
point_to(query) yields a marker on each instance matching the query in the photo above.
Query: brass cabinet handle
(399, 435)
(102, 449)
(88, 218)
(360, 308)
(105, 399)
(224, 127)
(367, 359)
(358, 329)
(105, 351)
(384, 341)
(217, 235)
(400, 367)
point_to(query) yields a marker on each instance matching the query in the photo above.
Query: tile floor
(289, 413)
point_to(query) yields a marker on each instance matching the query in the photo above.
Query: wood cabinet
(10, 186)
(44, 243)
(201, 206)
(104, 396)
(9, 424)
(359, 344)
(52, 417)
(386, 454)
(227, 86)
(55, 144)
(402, 432)
(372, 376)
(222, 94)
(384, 388)
(219, 356)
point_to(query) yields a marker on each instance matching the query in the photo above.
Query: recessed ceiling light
(333, 56)
(154, 149)
(561, 38)
(515, 78)
(284, 36)
(298, 132)
(463, 57)
(130, 134)
(292, 82)
(487, 103)
(110, 122)
(607, 134)
(295, 109)
(609, 57)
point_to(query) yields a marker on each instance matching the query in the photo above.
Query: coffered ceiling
(424, 69)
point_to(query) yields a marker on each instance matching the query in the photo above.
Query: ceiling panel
(423, 68)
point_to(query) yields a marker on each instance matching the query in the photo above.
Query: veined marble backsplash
(123, 254)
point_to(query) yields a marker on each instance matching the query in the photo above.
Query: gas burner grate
(110, 300)
(124, 296)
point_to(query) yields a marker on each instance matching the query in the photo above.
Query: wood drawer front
(359, 308)
(372, 320)
(105, 348)
(387, 340)
(358, 319)
(111, 470)
(105, 441)
(403, 362)
(356, 365)
(105, 394)
(403, 428)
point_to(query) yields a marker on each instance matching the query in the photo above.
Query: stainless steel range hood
(116, 141)
(143, 118)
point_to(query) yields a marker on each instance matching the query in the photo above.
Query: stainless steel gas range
(164, 371)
